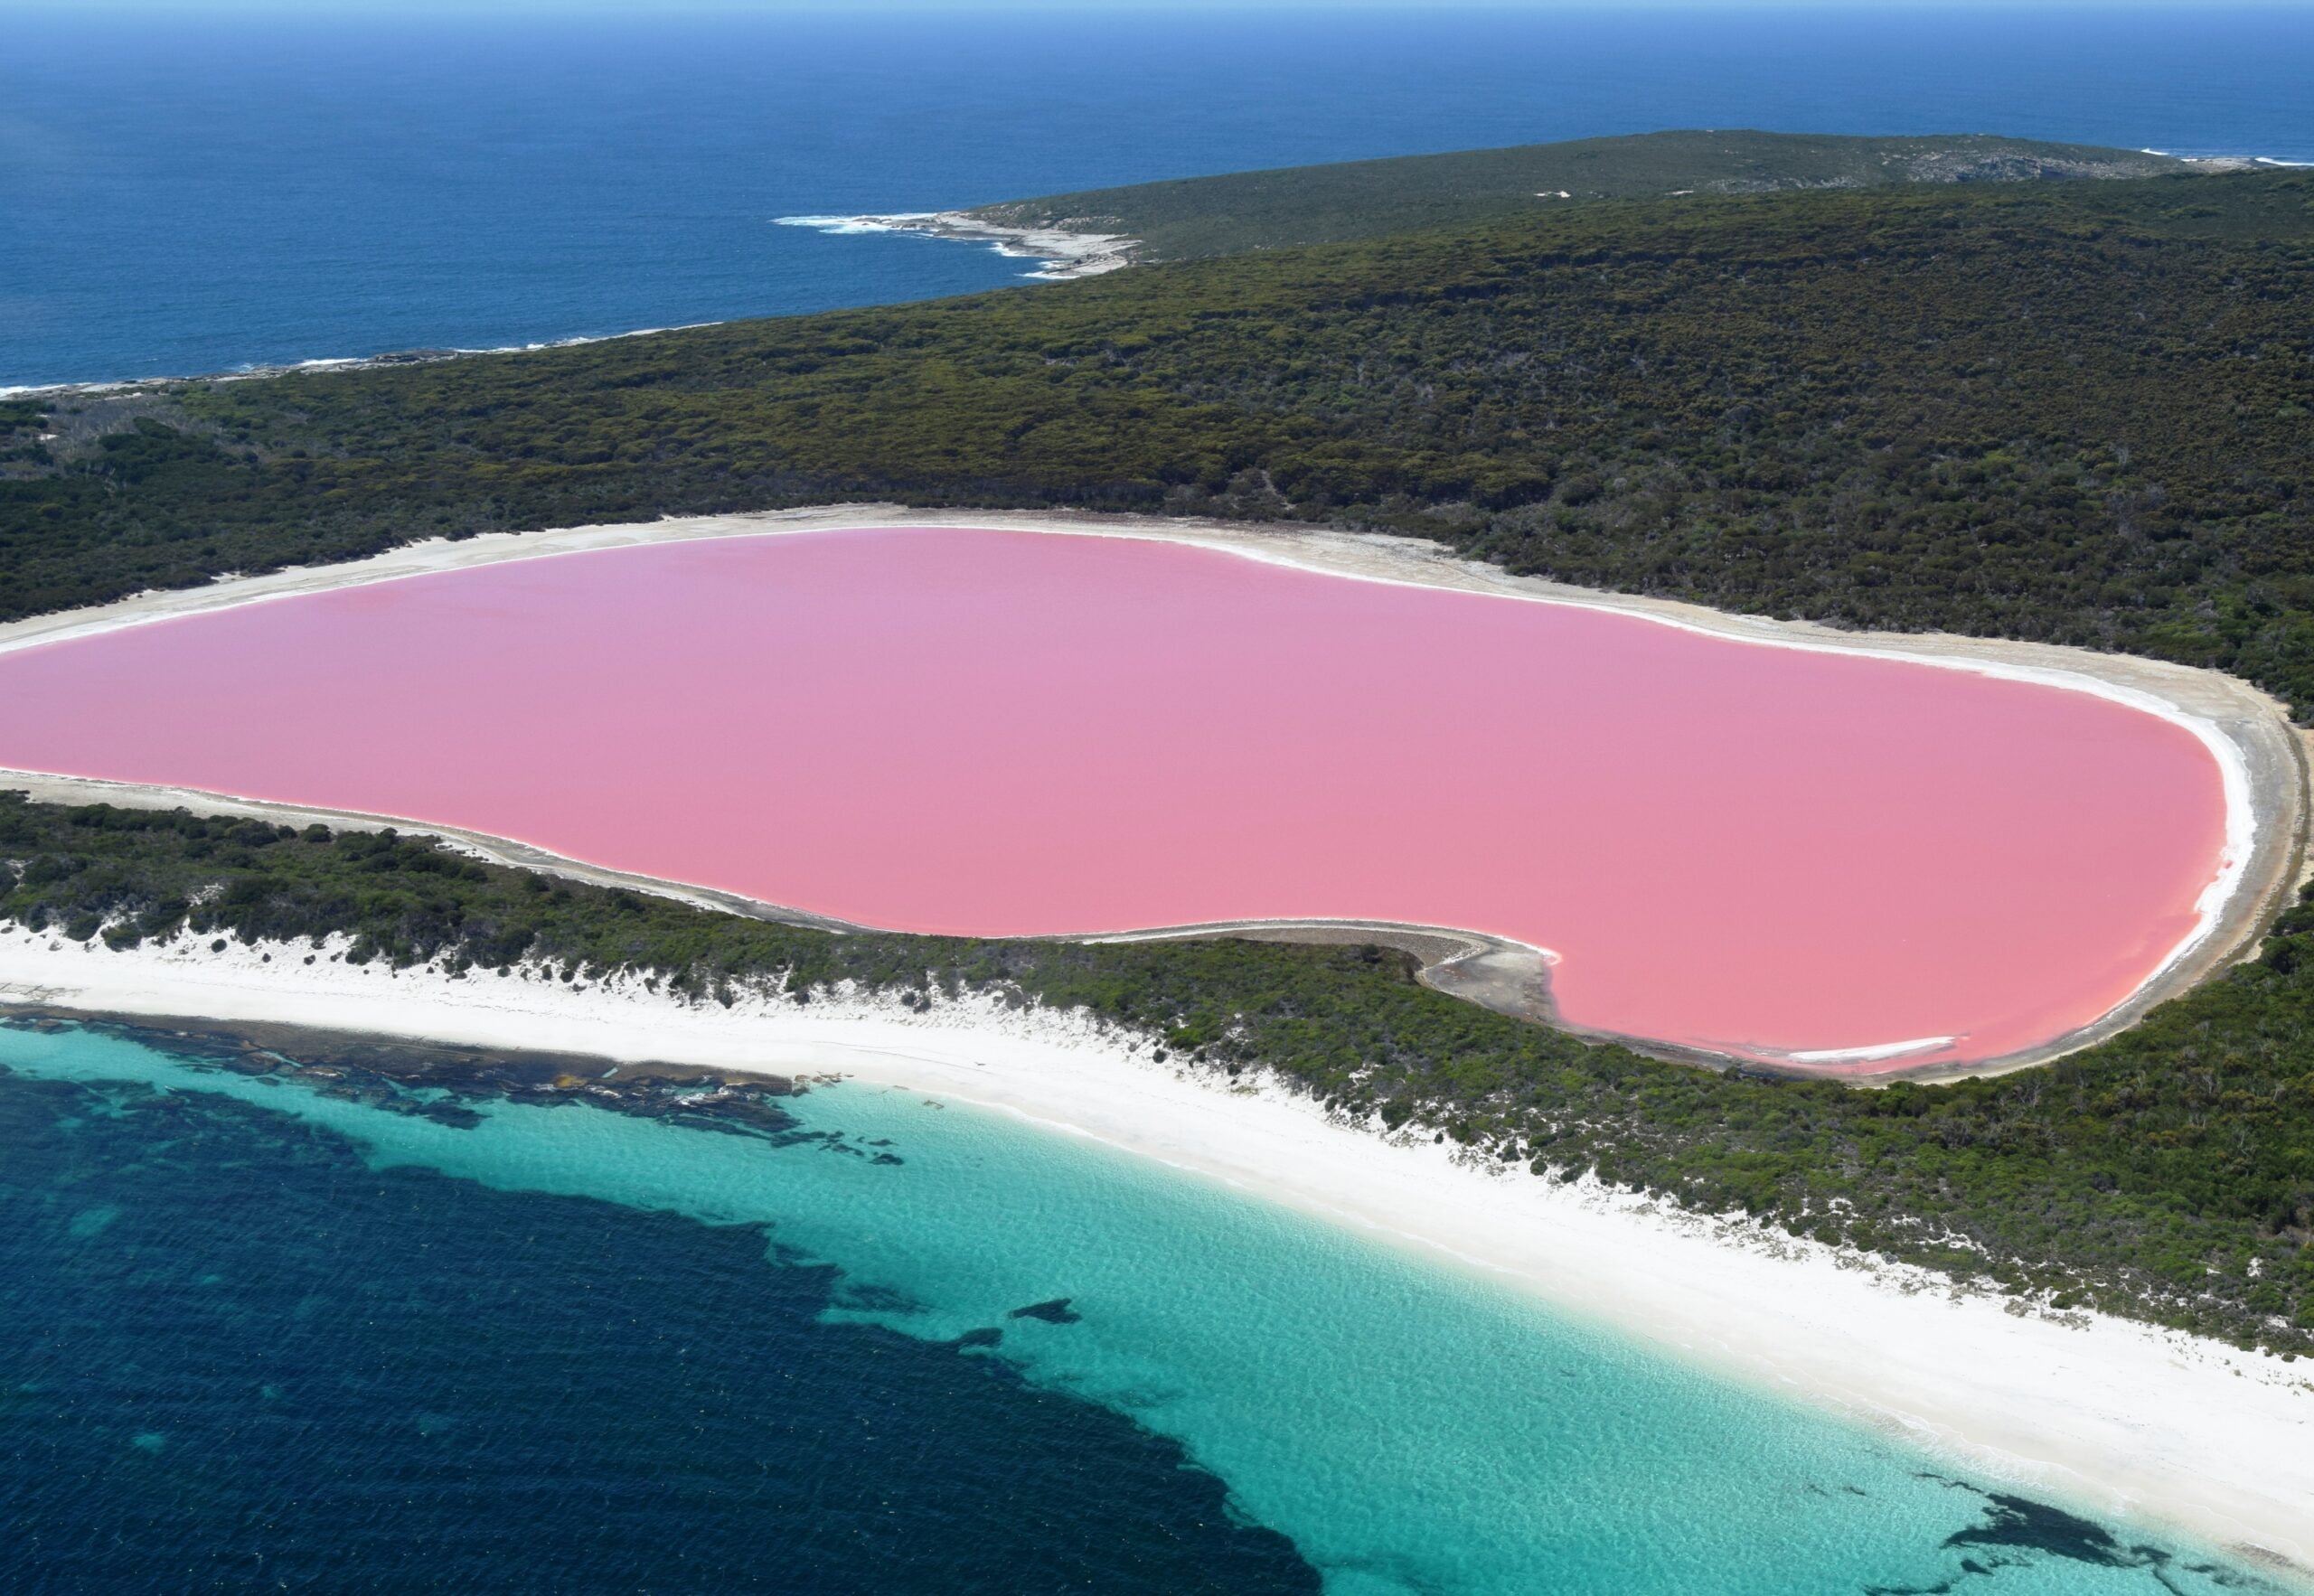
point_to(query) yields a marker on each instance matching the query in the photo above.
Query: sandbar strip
(2147, 1426)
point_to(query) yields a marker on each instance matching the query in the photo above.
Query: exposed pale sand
(2260, 756)
(2150, 1427)
(1061, 253)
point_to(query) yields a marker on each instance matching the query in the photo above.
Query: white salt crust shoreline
(2260, 759)
(2154, 1429)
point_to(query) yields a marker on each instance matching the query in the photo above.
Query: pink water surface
(1742, 848)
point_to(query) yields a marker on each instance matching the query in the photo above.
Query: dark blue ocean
(310, 1331)
(198, 188)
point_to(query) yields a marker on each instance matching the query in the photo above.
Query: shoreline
(1064, 253)
(2260, 757)
(341, 362)
(2137, 1425)
(1061, 254)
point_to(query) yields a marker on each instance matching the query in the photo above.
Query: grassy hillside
(2076, 412)
(1228, 215)
(2167, 1174)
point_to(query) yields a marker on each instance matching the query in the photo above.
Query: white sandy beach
(2150, 1427)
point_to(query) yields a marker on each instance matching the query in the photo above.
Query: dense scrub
(1190, 216)
(2080, 412)
(2167, 1174)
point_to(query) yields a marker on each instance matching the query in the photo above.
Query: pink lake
(1752, 850)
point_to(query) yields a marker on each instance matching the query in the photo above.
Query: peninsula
(1095, 231)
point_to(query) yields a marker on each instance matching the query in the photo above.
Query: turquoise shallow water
(1407, 1428)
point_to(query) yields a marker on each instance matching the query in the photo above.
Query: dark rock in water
(985, 1337)
(438, 1080)
(2035, 1526)
(1056, 1312)
(2017, 1530)
(863, 1298)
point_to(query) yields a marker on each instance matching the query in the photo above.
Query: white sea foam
(2214, 160)
(1061, 253)
(843, 225)
(342, 363)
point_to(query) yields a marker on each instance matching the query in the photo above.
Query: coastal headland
(1061, 253)
(2246, 732)
(1088, 233)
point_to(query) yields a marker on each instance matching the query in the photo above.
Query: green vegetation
(2077, 412)
(2167, 1174)
(2080, 412)
(1193, 217)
